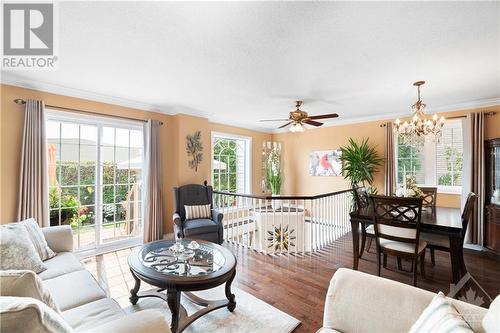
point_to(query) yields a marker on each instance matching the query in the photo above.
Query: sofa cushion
(38, 239)
(200, 226)
(147, 321)
(74, 289)
(62, 263)
(87, 316)
(327, 330)
(24, 283)
(440, 316)
(491, 321)
(26, 314)
(17, 249)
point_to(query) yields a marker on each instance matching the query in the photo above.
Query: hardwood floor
(298, 285)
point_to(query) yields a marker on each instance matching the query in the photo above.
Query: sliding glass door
(95, 172)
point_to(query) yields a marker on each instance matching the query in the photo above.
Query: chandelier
(420, 125)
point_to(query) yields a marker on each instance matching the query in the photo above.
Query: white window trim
(248, 153)
(442, 189)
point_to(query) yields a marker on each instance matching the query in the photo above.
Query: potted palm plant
(360, 163)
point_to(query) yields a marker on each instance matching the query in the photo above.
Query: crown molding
(389, 116)
(10, 79)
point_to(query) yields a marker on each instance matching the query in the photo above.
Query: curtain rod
(22, 102)
(486, 113)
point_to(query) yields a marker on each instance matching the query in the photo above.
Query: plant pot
(276, 204)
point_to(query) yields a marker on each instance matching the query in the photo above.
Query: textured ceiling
(237, 63)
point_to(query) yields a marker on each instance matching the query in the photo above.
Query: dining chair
(430, 195)
(362, 201)
(442, 243)
(397, 230)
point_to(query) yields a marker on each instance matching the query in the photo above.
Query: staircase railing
(284, 224)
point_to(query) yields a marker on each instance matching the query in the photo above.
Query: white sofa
(359, 302)
(84, 305)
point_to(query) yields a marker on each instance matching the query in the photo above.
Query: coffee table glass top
(203, 260)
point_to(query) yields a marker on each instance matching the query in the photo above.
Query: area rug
(251, 314)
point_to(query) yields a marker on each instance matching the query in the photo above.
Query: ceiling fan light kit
(419, 125)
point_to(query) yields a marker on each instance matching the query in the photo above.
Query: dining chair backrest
(429, 198)
(361, 196)
(397, 219)
(467, 212)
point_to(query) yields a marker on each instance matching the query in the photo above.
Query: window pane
(108, 194)
(87, 215)
(54, 197)
(52, 131)
(136, 139)
(122, 139)
(108, 136)
(88, 135)
(87, 195)
(69, 174)
(54, 217)
(108, 213)
(121, 193)
(69, 133)
(450, 152)
(69, 152)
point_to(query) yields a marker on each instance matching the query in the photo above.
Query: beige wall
(296, 148)
(298, 145)
(172, 135)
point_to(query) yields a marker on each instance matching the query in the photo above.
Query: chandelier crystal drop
(419, 126)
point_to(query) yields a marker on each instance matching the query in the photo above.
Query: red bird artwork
(325, 163)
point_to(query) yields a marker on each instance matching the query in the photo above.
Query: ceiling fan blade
(274, 119)
(291, 122)
(312, 122)
(324, 116)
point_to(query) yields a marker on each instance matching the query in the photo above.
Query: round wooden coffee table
(207, 267)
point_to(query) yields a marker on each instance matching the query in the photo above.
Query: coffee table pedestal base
(180, 318)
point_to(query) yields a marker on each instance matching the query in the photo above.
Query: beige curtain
(153, 217)
(390, 163)
(33, 185)
(474, 174)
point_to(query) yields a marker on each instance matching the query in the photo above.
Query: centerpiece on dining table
(409, 188)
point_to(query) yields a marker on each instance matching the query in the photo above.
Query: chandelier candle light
(419, 125)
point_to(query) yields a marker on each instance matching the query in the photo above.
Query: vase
(276, 204)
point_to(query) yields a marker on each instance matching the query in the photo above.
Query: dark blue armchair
(205, 229)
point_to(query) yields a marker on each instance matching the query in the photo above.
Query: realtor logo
(28, 36)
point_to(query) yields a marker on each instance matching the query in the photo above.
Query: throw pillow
(24, 283)
(38, 239)
(26, 314)
(197, 212)
(491, 322)
(17, 249)
(440, 316)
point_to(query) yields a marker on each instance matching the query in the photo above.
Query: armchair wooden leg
(385, 261)
(433, 259)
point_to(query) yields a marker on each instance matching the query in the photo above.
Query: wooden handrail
(285, 197)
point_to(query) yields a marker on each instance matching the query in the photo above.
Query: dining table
(443, 221)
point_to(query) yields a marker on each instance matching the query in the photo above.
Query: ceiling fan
(298, 118)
